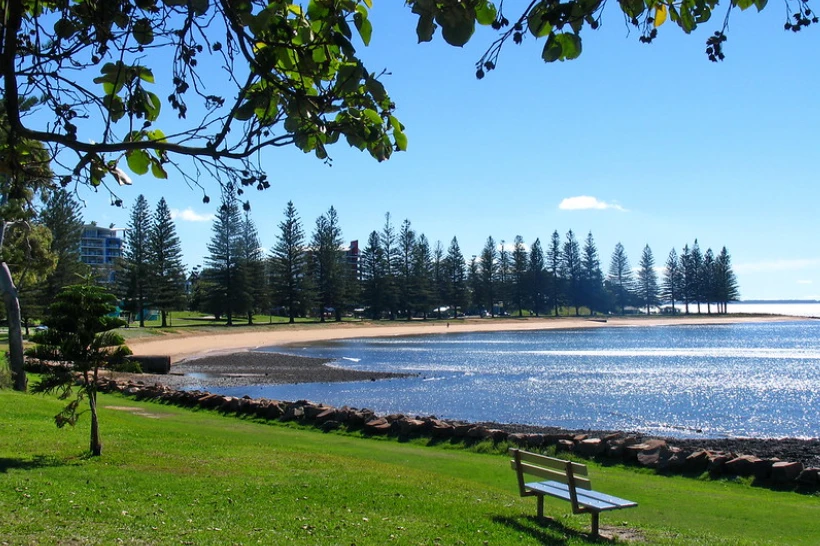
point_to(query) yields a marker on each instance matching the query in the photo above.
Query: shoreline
(229, 360)
(188, 346)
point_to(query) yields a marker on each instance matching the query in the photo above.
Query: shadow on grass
(551, 532)
(38, 461)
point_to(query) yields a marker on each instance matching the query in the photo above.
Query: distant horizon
(777, 301)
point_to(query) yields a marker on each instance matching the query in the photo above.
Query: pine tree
(440, 281)
(620, 277)
(553, 266)
(328, 272)
(252, 264)
(422, 276)
(288, 261)
(225, 287)
(373, 276)
(488, 268)
(504, 277)
(672, 284)
(707, 277)
(571, 271)
(134, 279)
(62, 216)
(406, 245)
(164, 254)
(592, 278)
(726, 288)
(688, 277)
(391, 260)
(696, 288)
(536, 278)
(456, 278)
(647, 280)
(519, 274)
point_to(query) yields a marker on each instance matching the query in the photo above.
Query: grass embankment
(175, 476)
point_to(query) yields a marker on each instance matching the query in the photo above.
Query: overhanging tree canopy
(165, 83)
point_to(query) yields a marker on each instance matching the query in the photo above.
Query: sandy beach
(196, 345)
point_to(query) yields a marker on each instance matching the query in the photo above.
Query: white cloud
(806, 281)
(587, 202)
(189, 215)
(777, 266)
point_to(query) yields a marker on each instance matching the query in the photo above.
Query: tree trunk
(163, 313)
(96, 445)
(16, 364)
(250, 318)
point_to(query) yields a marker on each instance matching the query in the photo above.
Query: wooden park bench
(564, 480)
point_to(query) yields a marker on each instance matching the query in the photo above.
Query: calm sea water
(755, 380)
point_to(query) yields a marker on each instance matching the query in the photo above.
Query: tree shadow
(37, 461)
(550, 532)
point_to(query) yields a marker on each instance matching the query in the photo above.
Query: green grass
(175, 476)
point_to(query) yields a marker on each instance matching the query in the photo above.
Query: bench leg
(595, 524)
(541, 509)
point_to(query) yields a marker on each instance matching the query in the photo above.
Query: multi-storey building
(100, 248)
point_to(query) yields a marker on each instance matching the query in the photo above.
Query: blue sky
(639, 144)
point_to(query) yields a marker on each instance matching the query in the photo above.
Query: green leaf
(375, 88)
(395, 123)
(570, 45)
(537, 22)
(317, 10)
(425, 28)
(64, 28)
(744, 4)
(199, 7)
(552, 49)
(245, 111)
(760, 4)
(157, 169)
(143, 33)
(401, 140)
(633, 8)
(457, 25)
(152, 105)
(485, 13)
(138, 161)
(363, 25)
(145, 74)
(156, 135)
(372, 115)
(115, 106)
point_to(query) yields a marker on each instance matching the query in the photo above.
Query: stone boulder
(590, 447)
(698, 461)
(441, 429)
(784, 471)
(379, 425)
(810, 477)
(748, 465)
(411, 427)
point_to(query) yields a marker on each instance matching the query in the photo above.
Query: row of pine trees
(400, 274)
(397, 274)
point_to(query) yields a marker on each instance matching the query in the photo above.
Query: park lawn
(173, 475)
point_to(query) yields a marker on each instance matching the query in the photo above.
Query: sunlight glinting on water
(729, 380)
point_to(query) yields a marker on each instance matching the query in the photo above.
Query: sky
(638, 144)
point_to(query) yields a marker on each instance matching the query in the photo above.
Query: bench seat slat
(550, 474)
(578, 469)
(587, 498)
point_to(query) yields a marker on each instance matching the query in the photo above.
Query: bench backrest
(574, 475)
